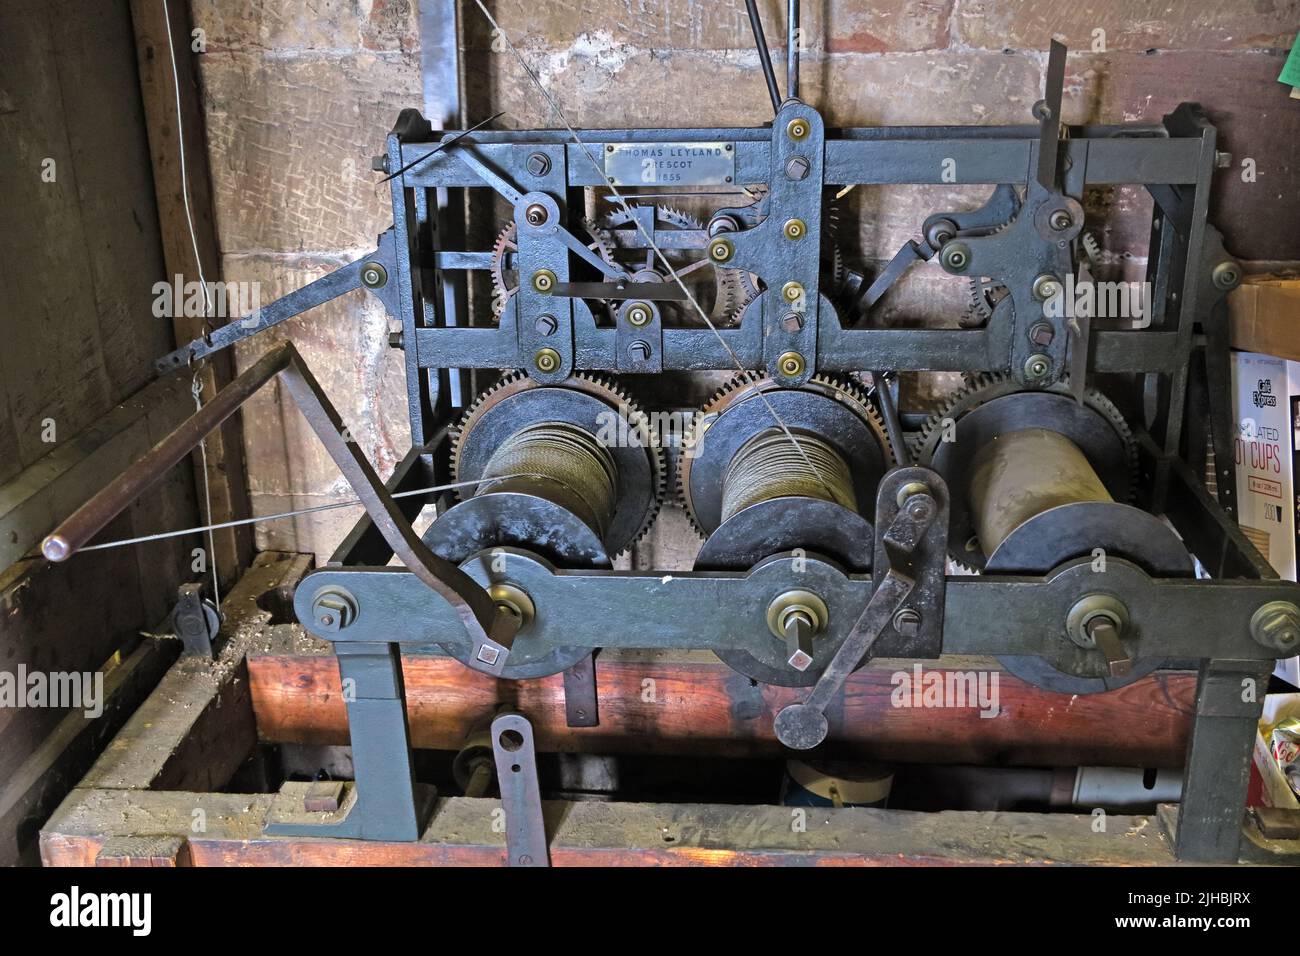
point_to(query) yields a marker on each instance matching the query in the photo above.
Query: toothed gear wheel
(748, 386)
(987, 387)
(504, 280)
(734, 288)
(985, 294)
(1091, 248)
(608, 392)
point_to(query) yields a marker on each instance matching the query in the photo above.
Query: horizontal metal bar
(1181, 618)
(88, 520)
(936, 350)
(959, 159)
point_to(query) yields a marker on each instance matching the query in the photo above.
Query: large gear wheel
(616, 401)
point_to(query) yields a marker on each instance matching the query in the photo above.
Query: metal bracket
(521, 795)
(196, 622)
(581, 701)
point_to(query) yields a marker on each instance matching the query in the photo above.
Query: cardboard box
(1264, 315)
(1266, 405)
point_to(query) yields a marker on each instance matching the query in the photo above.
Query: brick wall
(300, 94)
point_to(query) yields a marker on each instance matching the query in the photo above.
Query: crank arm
(908, 551)
(373, 271)
(490, 629)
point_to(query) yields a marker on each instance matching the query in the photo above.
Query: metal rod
(792, 50)
(764, 55)
(88, 520)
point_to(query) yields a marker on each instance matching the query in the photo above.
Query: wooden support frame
(193, 255)
(151, 799)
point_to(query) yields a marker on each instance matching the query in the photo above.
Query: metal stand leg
(1229, 701)
(388, 803)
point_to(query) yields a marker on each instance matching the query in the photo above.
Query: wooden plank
(147, 851)
(590, 833)
(226, 478)
(196, 729)
(65, 755)
(693, 704)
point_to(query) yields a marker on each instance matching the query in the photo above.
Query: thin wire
(196, 387)
(349, 503)
(618, 197)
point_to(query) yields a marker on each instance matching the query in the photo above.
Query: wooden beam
(44, 779)
(590, 833)
(693, 704)
(196, 729)
(226, 479)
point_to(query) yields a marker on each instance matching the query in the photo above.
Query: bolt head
(721, 250)
(546, 325)
(907, 622)
(1226, 275)
(955, 257)
(798, 129)
(536, 214)
(791, 364)
(1276, 625)
(795, 229)
(546, 360)
(797, 168)
(792, 322)
(1042, 333)
(1061, 220)
(1046, 287)
(1037, 366)
(792, 291)
(638, 314)
(640, 350)
(373, 275)
(544, 281)
(539, 164)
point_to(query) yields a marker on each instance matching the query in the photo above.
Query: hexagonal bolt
(1042, 333)
(797, 168)
(546, 325)
(907, 622)
(1276, 625)
(397, 339)
(792, 321)
(379, 163)
(538, 164)
(640, 351)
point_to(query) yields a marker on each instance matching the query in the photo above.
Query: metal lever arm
(491, 631)
(373, 271)
(802, 726)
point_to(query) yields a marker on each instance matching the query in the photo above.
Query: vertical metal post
(1229, 701)
(792, 50)
(440, 73)
(764, 55)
